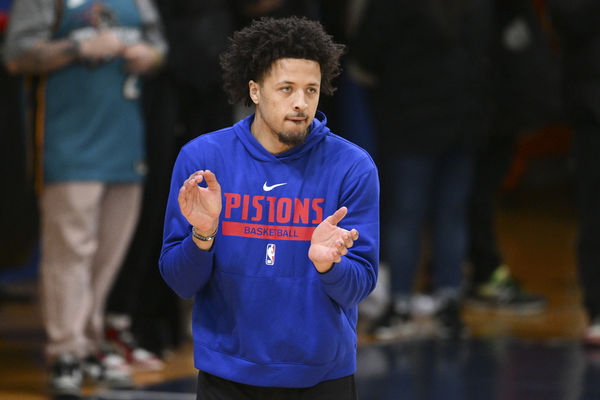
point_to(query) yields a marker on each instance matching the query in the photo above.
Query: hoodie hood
(316, 132)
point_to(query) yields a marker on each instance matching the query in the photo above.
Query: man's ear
(254, 91)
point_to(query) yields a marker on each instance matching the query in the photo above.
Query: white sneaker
(591, 335)
(119, 335)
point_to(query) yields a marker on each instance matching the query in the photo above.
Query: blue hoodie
(262, 314)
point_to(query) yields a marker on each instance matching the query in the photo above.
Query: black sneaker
(108, 369)
(450, 323)
(65, 377)
(504, 292)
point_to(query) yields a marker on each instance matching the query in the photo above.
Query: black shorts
(212, 387)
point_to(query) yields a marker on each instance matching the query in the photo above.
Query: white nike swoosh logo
(268, 188)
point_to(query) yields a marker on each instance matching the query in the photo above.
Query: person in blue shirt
(272, 225)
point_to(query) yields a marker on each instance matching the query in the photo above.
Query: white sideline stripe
(142, 395)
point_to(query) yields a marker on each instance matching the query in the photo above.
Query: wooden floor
(536, 231)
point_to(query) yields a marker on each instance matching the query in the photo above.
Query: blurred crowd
(98, 96)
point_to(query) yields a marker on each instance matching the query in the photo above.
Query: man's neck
(267, 138)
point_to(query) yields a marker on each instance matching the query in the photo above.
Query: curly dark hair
(253, 49)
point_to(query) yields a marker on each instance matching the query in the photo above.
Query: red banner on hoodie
(271, 232)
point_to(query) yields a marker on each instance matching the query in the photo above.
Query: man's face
(286, 102)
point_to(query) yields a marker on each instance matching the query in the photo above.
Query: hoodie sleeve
(183, 266)
(355, 276)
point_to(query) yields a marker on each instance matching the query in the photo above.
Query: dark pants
(211, 387)
(415, 187)
(586, 151)
(18, 206)
(491, 165)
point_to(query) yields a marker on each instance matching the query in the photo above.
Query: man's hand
(103, 47)
(201, 206)
(330, 242)
(141, 58)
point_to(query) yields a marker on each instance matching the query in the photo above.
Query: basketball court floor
(478, 369)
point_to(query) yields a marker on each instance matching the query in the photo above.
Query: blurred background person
(145, 319)
(577, 24)
(431, 106)
(84, 58)
(342, 19)
(525, 83)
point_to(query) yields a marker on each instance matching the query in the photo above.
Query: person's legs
(69, 223)
(69, 214)
(491, 283)
(407, 191)
(491, 165)
(450, 236)
(449, 219)
(405, 197)
(212, 387)
(586, 147)
(119, 210)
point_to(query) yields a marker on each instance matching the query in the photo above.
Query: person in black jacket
(577, 24)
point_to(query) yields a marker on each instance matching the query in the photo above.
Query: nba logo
(270, 258)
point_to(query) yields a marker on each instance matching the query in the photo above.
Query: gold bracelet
(204, 238)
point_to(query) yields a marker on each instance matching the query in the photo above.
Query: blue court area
(476, 369)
